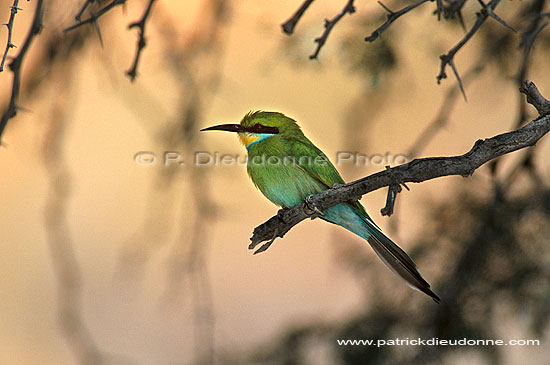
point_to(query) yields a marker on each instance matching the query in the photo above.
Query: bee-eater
(287, 168)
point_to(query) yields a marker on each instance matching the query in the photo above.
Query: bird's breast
(286, 185)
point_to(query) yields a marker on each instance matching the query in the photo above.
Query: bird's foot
(337, 186)
(281, 214)
(311, 209)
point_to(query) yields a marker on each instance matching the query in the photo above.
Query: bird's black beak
(225, 127)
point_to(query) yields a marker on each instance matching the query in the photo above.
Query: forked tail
(398, 260)
(393, 256)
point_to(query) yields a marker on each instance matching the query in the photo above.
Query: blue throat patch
(262, 137)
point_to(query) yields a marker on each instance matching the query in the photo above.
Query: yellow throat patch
(248, 138)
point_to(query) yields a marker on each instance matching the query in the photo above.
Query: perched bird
(287, 168)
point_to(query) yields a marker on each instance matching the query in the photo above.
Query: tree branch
(15, 67)
(329, 24)
(535, 98)
(486, 11)
(392, 16)
(290, 24)
(9, 45)
(93, 17)
(132, 72)
(417, 171)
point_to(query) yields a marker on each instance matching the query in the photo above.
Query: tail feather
(394, 257)
(398, 261)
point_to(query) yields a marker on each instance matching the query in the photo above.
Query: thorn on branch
(391, 17)
(460, 85)
(290, 24)
(98, 32)
(486, 9)
(349, 8)
(93, 17)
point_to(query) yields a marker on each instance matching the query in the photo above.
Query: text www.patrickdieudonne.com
(436, 342)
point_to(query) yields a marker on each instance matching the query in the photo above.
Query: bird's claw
(311, 208)
(337, 186)
(281, 214)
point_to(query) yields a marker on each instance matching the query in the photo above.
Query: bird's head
(258, 126)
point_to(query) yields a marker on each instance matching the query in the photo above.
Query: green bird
(287, 168)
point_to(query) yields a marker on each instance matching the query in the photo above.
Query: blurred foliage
(369, 60)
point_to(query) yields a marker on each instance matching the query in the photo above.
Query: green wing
(316, 164)
(313, 161)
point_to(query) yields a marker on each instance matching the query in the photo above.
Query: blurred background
(109, 255)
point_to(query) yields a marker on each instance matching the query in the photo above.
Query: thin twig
(439, 8)
(132, 72)
(392, 16)
(15, 67)
(418, 170)
(9, 44)
(93, 17)
(78, 15)
(486, 11)
(290, 24)
(329, 24)
(393, 190)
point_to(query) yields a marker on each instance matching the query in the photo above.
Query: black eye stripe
(258, 128)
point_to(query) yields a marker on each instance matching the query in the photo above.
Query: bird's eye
(257, 127)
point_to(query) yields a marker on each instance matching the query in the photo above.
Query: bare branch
(290, 24)
(329, 24)
(15, 67)
(417, 171)
(9, 44)
(486, 11)
(132, 72)
(392, 16)
(93, 17)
